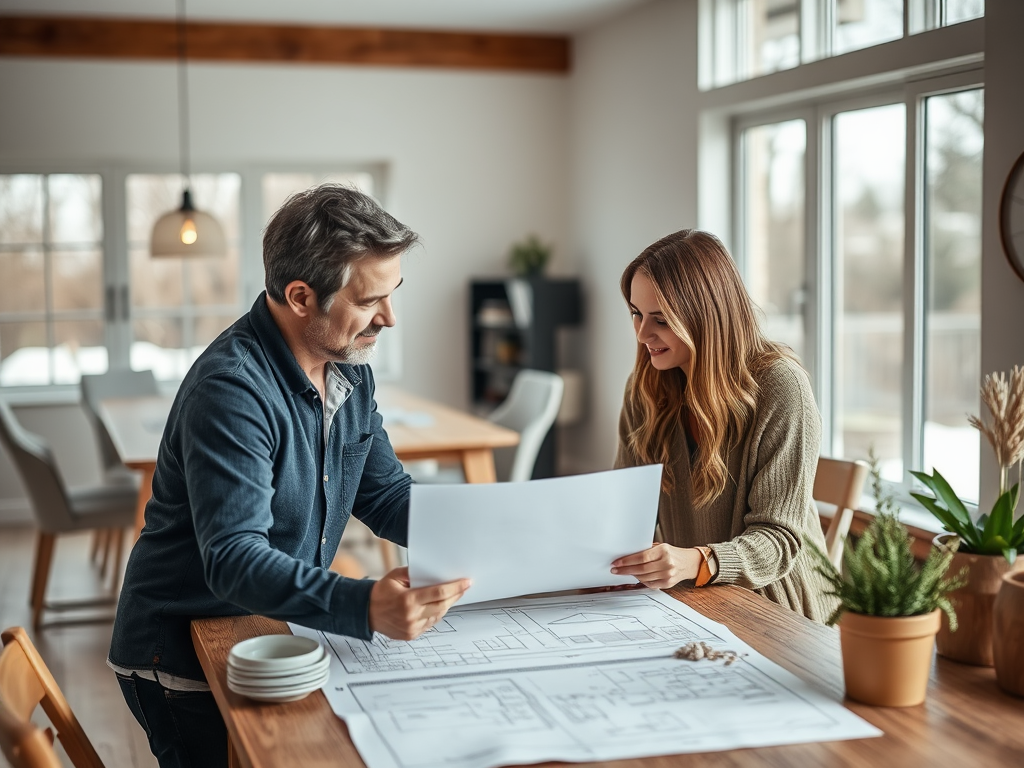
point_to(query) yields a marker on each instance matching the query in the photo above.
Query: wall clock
(1011, 217)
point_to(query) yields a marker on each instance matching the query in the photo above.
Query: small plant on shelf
(882, 577)
(528, 257)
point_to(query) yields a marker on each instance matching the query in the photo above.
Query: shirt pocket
(353, 462)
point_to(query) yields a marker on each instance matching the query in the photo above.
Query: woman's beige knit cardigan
(760, 525)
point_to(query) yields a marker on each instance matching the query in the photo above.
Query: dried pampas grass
(1004, 398)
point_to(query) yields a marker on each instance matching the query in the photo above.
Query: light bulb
(188, 232)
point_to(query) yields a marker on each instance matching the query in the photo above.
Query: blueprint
(576, 678)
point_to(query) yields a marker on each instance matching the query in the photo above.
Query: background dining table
(965, 721)
(418, 428)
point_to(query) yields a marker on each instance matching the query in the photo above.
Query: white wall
(476, 160)
(1002, 292)
(633, 132)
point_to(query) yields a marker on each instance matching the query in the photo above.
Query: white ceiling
(544, 16)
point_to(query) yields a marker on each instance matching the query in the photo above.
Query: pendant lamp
(186, 231)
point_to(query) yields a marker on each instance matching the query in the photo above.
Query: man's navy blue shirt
(249, 501)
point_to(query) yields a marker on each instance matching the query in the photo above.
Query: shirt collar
(280, 354)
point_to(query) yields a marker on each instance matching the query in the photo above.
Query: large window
(868, 169)
(859, 236)
(178, 306)
(51, 278)
(756, 37)
(952, 299)
(79, 292)
(773, 239)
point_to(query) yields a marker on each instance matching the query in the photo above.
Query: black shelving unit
(513, 324)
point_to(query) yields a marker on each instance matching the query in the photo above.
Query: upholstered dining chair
(839, 482)
(117, 382)
(58, 509)
(26, 683)
(529, 409)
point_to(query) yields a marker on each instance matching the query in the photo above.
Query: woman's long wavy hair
(704, 302)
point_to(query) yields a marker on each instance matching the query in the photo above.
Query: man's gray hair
(317, 235)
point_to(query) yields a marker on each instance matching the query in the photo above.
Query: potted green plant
(987, 546)
(889, 607)
(528, 257)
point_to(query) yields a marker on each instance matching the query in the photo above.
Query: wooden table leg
(478, 466)
(145, 492)
(233, 761)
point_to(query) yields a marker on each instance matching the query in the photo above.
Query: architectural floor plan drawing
(580, 678)
(510, 634)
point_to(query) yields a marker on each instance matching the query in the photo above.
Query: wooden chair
(25, 683)
(839, 482)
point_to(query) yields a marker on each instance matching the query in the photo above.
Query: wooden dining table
(966, 719)
(418, 428)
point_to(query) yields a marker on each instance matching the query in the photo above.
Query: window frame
(116, 277)
(49, 315)
(820, 250)
(722, 65)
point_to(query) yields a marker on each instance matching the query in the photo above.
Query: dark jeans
(184, 728)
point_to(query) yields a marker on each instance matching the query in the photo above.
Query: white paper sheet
(575, 678)
(541, 536)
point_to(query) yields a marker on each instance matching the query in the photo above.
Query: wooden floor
(77, 655)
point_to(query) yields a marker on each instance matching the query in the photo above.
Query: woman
(731, 417)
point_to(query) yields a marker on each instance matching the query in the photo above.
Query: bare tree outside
(773, 238)
(868, 222)
(51, 278)
(954, 143)
(179, 306)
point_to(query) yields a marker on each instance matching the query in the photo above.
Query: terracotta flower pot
(1008, 635)
(886, 660)
(972, 642)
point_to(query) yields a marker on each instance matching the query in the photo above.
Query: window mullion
(821, 268)
(116, 277)
(812, 259)
(251, 245)
(914, 291)
(51, 334)
(739, 204)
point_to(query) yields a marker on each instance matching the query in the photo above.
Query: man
(273, 441)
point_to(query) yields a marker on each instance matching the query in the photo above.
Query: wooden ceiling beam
(94, 37)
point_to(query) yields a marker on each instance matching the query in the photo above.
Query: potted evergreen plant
(529, 257)
(987, 546)
(889, 608)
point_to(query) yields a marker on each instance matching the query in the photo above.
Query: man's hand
(660, 567)
(403, 613)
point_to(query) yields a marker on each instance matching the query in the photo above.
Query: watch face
(1011, 217)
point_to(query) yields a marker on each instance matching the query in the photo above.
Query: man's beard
(318, 338)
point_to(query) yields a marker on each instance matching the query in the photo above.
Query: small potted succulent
(987, 546)
(889, 608)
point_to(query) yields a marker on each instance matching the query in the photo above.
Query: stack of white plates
(277, 667)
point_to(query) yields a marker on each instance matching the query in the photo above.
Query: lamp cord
(183, 96)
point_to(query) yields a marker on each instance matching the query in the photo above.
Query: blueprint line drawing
(510, 634)
(579, 678)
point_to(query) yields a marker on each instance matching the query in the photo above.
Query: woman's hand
(660, 567)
